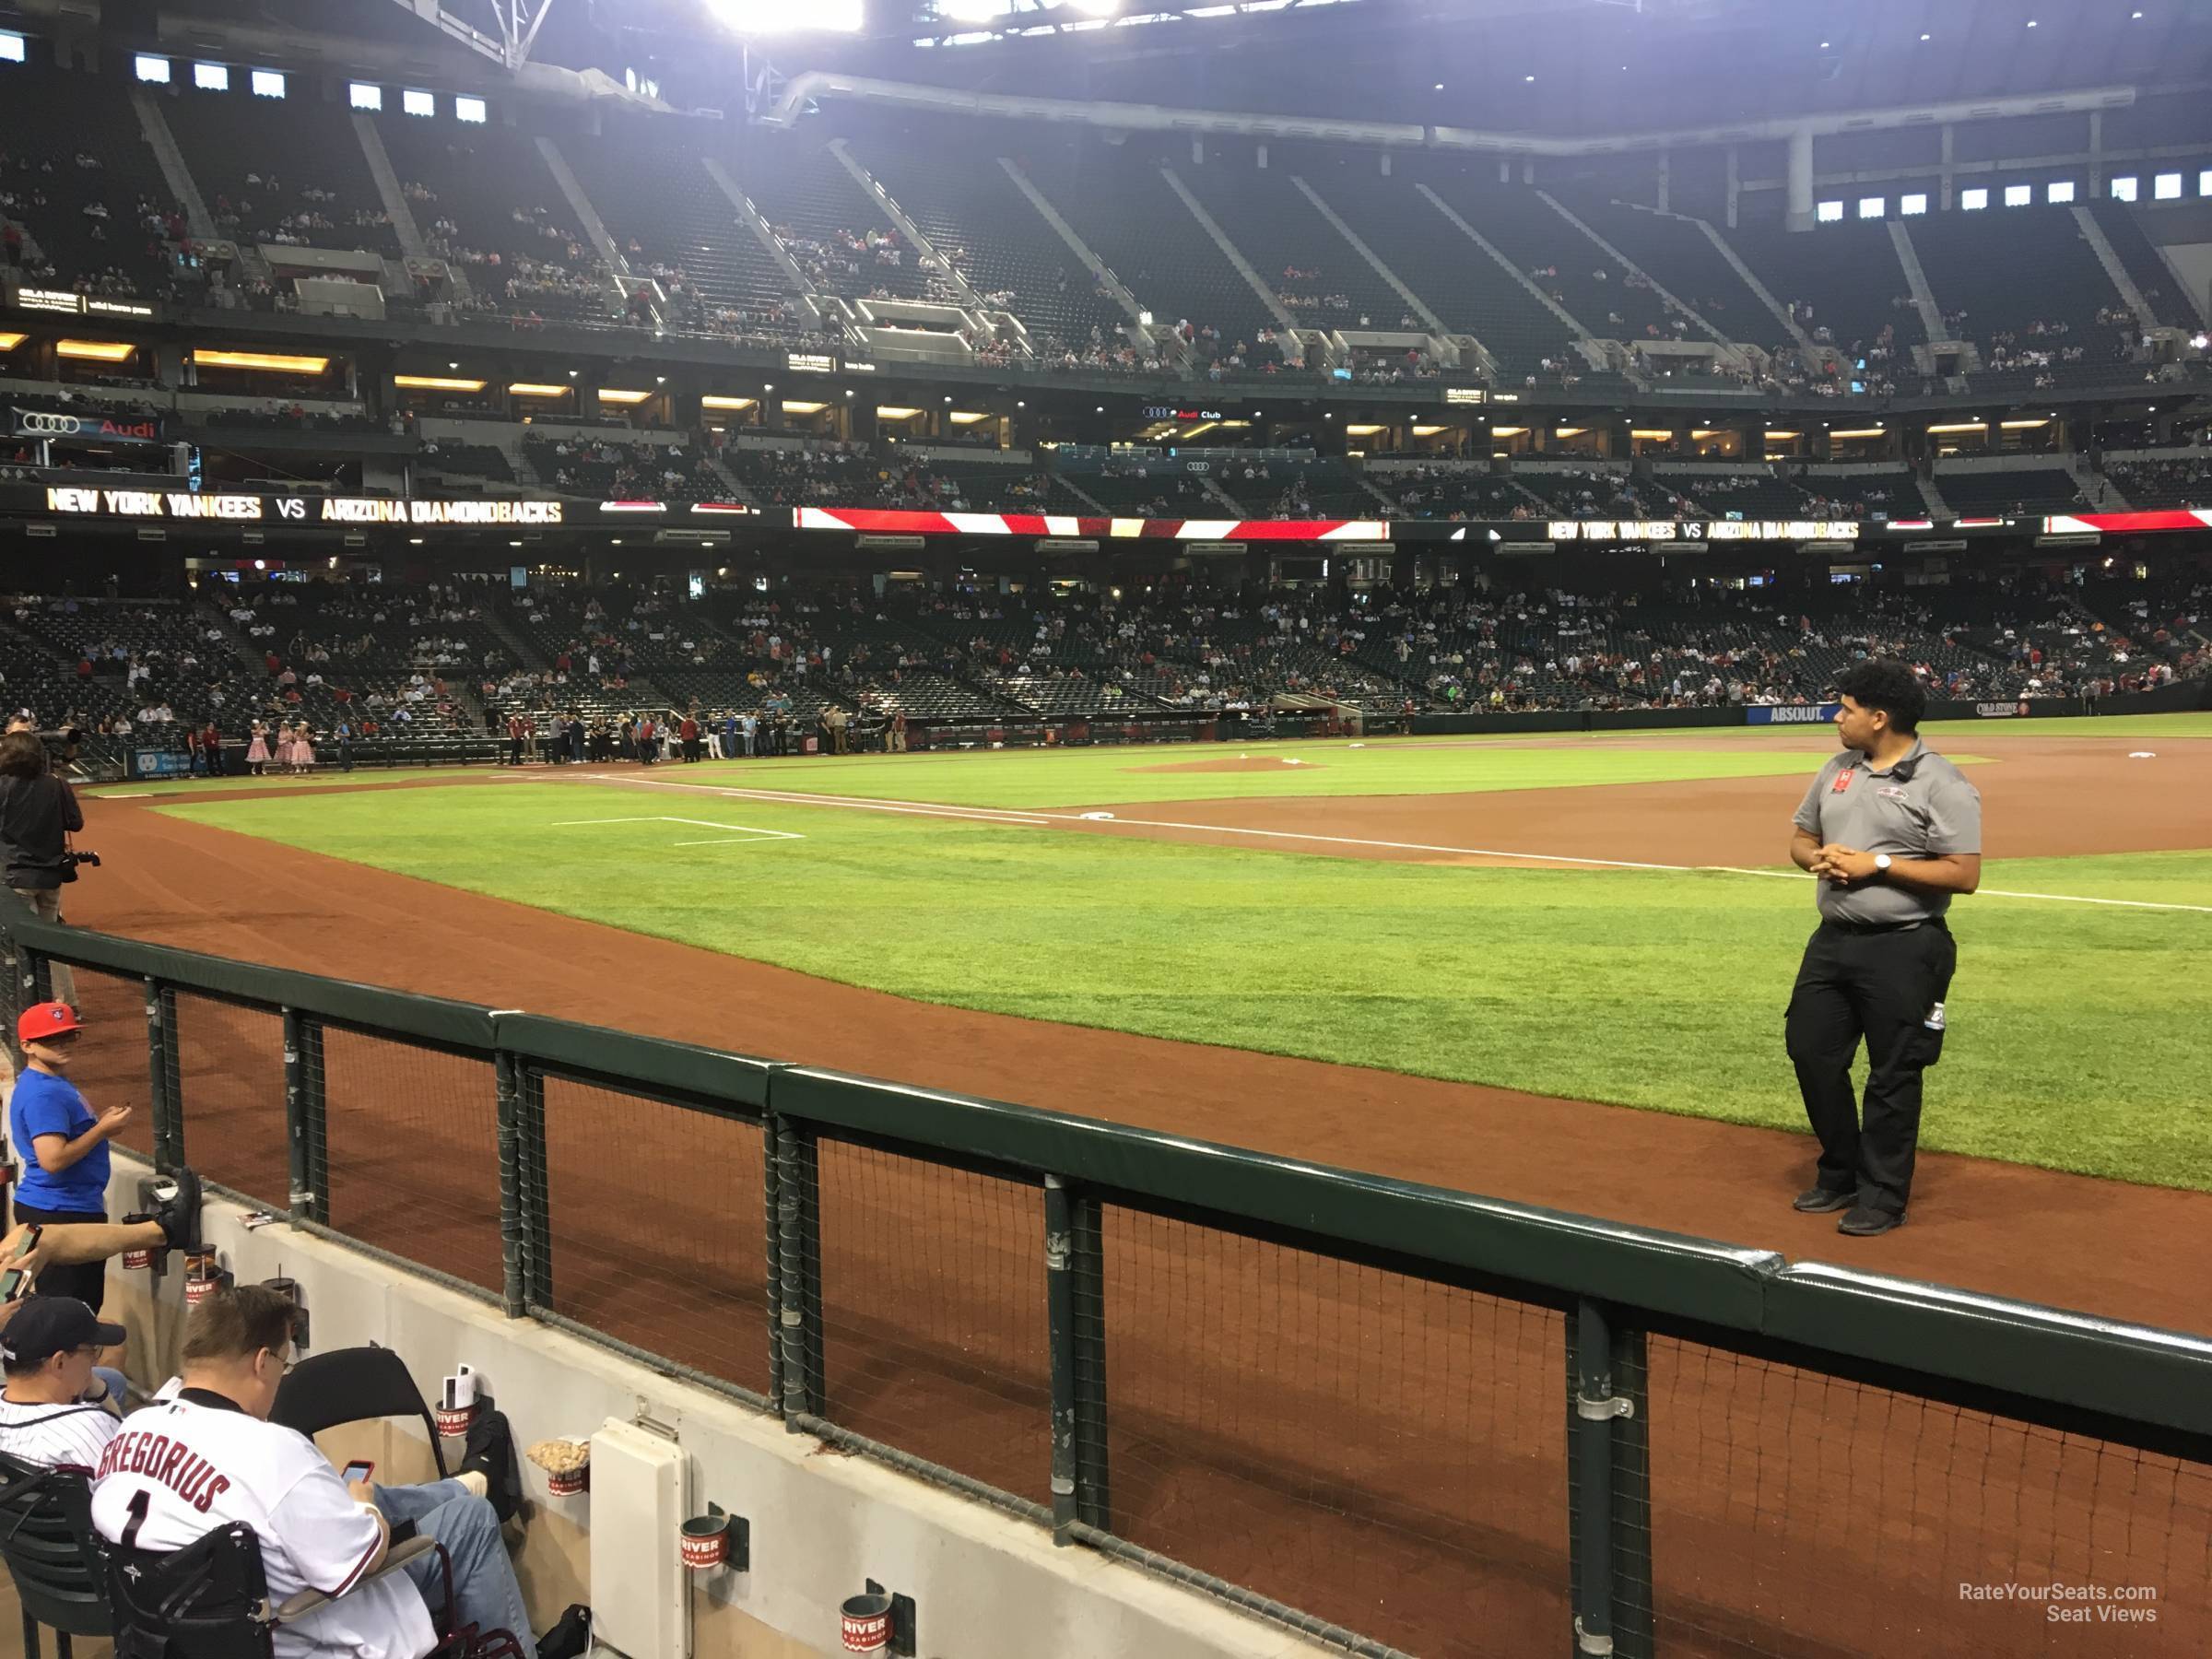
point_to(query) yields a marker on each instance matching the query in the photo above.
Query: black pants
(1885, 987)
(88, 1281)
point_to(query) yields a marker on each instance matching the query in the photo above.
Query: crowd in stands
(614, 470)
(341, 667)
(2184, 481)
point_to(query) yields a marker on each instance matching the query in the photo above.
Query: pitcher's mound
(1273, 763)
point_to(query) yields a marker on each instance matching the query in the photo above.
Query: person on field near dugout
(1890, 832)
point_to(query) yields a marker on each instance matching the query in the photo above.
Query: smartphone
(357, 1472)
(14, 1282)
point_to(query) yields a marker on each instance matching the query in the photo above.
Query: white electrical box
(640, 1604)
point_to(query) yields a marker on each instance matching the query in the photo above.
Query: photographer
(38, 811)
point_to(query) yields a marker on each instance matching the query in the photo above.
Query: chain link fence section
(1781, 1497)
(224, 1066)
(933, 1338)
(110, 1068)
(413, 1151)
(1382, 1452)
(652, 1227)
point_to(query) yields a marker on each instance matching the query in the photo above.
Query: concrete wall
(986, 1585)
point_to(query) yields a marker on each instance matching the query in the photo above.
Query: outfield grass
(2077, 1031)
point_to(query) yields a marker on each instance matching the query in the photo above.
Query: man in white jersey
(48, 1349)
(209, 1457)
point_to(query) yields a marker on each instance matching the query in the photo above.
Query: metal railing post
(1608, 1482)
(772, 1226)
(300, 1183)
(310, 1123)
(164, 1105)
(799, 1268)
(534, 1194)
(1060, 1320)
(1086, 1276)
(513, 1266)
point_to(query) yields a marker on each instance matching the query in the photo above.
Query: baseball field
(1551, 970)
(1598, 919)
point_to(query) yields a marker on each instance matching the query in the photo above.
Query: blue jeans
(485, 1592)
(117, 1394)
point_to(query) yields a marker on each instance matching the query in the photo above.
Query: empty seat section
(1454, 278)
(1863, 494)
(1456, 491)
(1575, 272)
(1847, 274)
(1998, 494)
(239, 146)
(485, 201)
(976, 216)
(1678, 255)
(839, 236)
(1751, 494)
(1318, 277)
(666, 213)
(1124, 210)
(2030, 288)
(52, 124)
(2170, 301)
(622, 472)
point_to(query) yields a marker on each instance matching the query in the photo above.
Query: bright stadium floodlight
(973, 11)
(780, 17)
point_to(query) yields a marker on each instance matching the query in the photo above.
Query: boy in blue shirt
(63, 1146)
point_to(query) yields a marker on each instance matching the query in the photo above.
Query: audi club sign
(84, 429)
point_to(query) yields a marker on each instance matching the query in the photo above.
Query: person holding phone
(63, 1146)
(208, 1456)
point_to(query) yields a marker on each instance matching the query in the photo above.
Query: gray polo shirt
(1921, 808)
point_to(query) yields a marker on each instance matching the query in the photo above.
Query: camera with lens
(72, 858)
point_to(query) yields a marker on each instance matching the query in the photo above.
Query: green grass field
(2077, 1031)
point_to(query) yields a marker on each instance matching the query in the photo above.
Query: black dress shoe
(1863, 1223)
(175, 1200)
(1818, 1200)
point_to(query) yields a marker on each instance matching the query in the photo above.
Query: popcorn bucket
(571, 1482)
(453, 1420)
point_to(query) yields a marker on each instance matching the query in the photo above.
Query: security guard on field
(1890, 832)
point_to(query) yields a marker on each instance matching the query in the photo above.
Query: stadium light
(276, 362)
(973, 11)
(780, 17)
(94, 351)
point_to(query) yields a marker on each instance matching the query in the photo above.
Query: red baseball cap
(45, 1019)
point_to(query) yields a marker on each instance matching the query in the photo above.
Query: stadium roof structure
(1558, 68)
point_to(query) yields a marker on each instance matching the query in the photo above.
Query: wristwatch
(1881, 864)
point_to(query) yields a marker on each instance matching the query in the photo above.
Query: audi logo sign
(47, 423)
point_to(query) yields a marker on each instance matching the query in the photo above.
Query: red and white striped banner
(882, 520)
(2129, 523)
